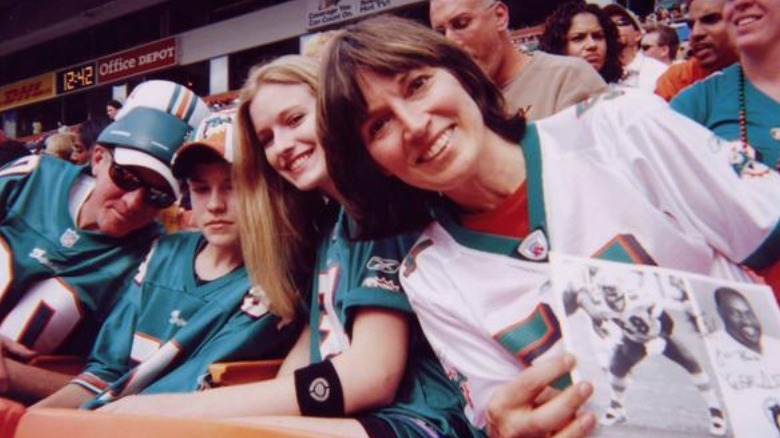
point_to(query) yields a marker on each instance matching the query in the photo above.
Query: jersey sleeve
(111, 355)
(13, 177)
(701, 181)
(374, 273)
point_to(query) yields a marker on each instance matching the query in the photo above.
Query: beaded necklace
(742, 111)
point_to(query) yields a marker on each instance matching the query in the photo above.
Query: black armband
(318, 390)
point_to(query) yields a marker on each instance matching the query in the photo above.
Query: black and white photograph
(743, 341)
(639, 337)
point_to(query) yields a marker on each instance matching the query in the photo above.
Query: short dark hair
(614, 9)
(667, 37)
(556, 29)
(726, 293)
(388, 45)
(114, 103)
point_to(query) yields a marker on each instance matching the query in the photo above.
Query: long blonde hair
(278, 222)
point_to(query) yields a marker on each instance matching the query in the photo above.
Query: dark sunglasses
(128, 181)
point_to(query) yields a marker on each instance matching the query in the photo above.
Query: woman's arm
(298, 357)
(369, 372)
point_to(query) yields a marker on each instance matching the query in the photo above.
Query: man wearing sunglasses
(640, 71)
(72, 236)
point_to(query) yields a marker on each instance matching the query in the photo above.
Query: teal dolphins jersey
(169, 327)
(364, 273)
(714, 102)
(57, 282)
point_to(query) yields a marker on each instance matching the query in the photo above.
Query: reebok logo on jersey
(69, 238)
(388, 266)
(176, 319)
(534, 247)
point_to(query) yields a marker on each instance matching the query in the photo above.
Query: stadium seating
(235, 373)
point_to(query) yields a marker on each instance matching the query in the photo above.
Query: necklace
(742, 111)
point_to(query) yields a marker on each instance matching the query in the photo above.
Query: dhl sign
(30, 90)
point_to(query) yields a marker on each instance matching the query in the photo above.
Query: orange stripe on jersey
(92, 381)
(184, 103)
(625, 248)
(532, 336)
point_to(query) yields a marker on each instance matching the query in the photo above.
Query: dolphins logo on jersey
(39, 255)
(745, 160)
(410, 262)
(381, 283)
(255, 302)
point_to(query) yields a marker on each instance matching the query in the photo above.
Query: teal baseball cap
(156, 119)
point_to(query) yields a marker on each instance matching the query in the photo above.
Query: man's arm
(28, 384)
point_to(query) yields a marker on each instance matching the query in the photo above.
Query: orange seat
(86, 424)
(236, 373)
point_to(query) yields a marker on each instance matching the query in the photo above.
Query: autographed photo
(743, 342)
(639, 338)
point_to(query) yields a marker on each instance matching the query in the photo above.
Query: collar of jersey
(537, 219)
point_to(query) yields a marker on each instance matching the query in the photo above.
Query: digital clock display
(77, 77)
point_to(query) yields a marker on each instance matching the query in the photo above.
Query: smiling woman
(434, 123)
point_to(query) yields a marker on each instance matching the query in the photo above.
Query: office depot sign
(149, 57)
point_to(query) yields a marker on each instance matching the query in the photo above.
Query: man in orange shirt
(711, 47)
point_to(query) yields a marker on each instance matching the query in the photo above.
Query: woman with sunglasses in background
(190, 303)
(620, 176)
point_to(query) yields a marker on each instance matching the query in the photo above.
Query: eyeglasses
(128, 181)
(620, 22)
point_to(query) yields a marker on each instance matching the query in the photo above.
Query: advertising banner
(27, 91)
(142, 59)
